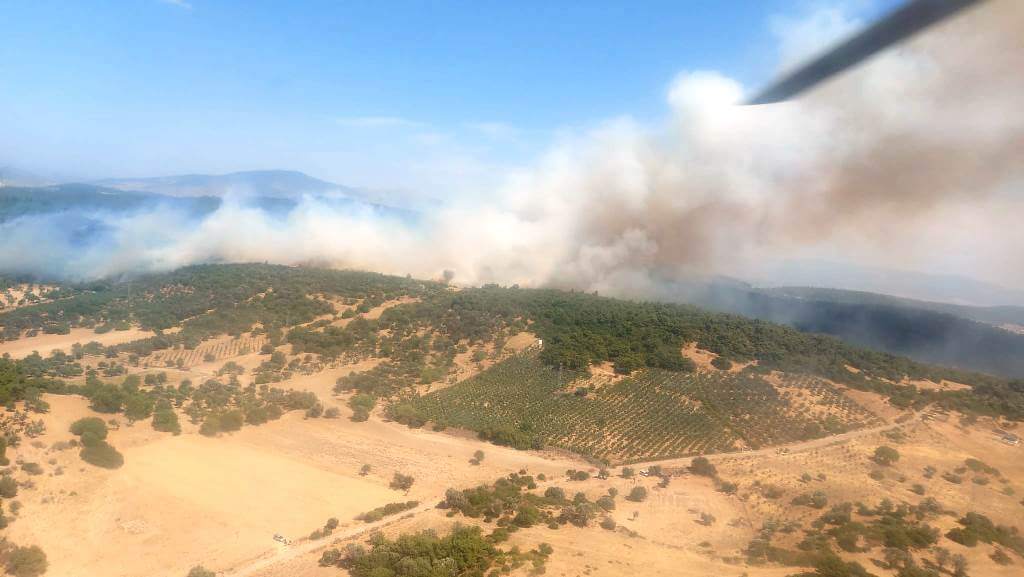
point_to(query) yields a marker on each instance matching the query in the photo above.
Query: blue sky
(379, 94)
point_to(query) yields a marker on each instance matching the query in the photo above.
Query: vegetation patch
(464, 551)
(387, 510)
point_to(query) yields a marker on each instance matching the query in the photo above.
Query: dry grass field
(181, 501)
(44, 343)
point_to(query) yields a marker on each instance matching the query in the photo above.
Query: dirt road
(775, 449)
(289, 552)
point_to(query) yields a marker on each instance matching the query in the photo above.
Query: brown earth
(44, 344)
(188, 500)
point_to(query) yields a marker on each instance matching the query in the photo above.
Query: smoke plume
(913, 159)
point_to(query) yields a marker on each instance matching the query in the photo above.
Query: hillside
(654, 414)
(427, 326)
(950, 335)
(84, 200)
(993, 315)
(155, 401)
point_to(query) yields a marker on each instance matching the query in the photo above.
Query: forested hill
(928, 332)
(993, 315)
(83, 203)
(86, 199)
(578, 329)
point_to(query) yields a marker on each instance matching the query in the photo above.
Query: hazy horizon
(621, 164)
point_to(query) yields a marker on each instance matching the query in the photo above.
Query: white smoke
(871, 167)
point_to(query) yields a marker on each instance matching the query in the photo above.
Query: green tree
(527, 516)
(166, 420)
(232, 420)
(138, 407)
(210, 426)
(90, 425)
(102, 455)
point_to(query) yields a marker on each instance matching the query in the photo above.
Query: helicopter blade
(905, 21)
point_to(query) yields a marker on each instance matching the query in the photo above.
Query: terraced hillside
(655, 414)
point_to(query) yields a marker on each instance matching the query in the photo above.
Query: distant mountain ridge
(994, 315)
(266, 183)
(914, 285)
(85, 199)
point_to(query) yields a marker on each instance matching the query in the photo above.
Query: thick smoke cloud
(912, 159)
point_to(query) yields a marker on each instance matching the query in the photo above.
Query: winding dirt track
(774, 449)
(292, 551)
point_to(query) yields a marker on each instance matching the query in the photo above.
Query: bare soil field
(185, 500)
(44, 343)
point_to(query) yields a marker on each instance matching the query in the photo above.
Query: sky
(419, 96)
(591, 144)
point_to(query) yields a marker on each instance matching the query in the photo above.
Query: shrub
(402, 482)
(389, 509)
(330, 558)
(637, 494)
(555, 494)
(701, 466)
(977, 527)
(102, 455)
(886, 456)
(1001, 558)
(816, 500)
(137, 407)
(92, 425)
(575, 475)
(465, 551)
(952, 478)
(721, 363)
(210, 426)
(980, 467)
(527, 516)
(166, 420)
(26, 562)
(727, 487)
(606, 502)
(608, 523)
(200, 571)
(8, 487)
(232, 420)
